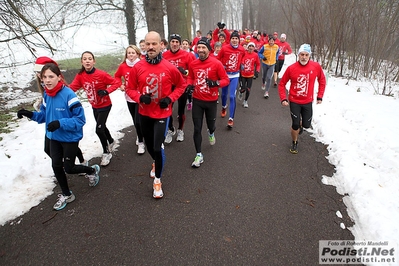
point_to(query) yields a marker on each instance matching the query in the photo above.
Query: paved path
(250, 203)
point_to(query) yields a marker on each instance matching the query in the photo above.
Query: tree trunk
(130, 21)
(154, 16)
(177, 23)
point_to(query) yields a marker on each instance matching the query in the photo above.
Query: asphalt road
(251, 202)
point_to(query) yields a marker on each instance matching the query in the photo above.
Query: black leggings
(154, 131)
(246, 84)
(63, 156)
(79, 153)
(134, 112)
(101, 116)
(199, 109)
(181, 117)
(301, 112)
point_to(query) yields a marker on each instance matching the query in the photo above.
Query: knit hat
(235, 34)
(305, 48)
(41, 61)
(283, 36)
(205, 42)
(251, 43)
(175, 37)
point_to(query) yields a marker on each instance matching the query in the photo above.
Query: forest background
(351, 38)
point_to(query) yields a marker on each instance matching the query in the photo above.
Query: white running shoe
(112, 146)
(199, 159)
(63, 200)
(141, 148)
(240, 94)
(245, 104)
(263, 86)
(137, 141)
(157, 185)
(94, 178)
(266, 95)
(169, 136)
(180, 135)
(106, 159)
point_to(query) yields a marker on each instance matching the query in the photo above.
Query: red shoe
(230, 123)
(223, 112)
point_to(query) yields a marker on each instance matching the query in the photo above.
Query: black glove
(220, 25)
(212, 83)
(164, 102)
(24, 112)
(190, 89)
(223, 25)
(182, 70)
(146, 98)
(53, 126)
(102, 93)
(256, 74)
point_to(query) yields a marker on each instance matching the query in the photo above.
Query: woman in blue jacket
(64, 118)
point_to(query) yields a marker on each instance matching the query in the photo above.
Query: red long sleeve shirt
(250, 64)
(93, 82)
(160, 80)
(302, 82)
(199, 71)
(179, 59)
(231, 57)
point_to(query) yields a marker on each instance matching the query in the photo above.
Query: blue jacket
(67, 109)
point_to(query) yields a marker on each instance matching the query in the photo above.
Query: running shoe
(106, 159)
(180, 135)
(94, 178)
(294, 148)
(63, 200)
(152, 172)
(245, 104)
(199, 159)
(141, 148)
(112, 146)
(212, 139)
(230, 123)
(223, 112)
(157, 186)
(169, 135)
(266, 95)
(240, 95)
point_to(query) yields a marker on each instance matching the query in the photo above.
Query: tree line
(352, 38)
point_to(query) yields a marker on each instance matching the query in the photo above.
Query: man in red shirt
(206, 74)
(155, 84)
(181, 59)
(302, 75)
(284, 49)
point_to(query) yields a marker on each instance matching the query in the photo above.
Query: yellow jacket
(269, 54)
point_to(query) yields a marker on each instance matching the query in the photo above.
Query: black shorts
(279, 65)
(301, 112)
